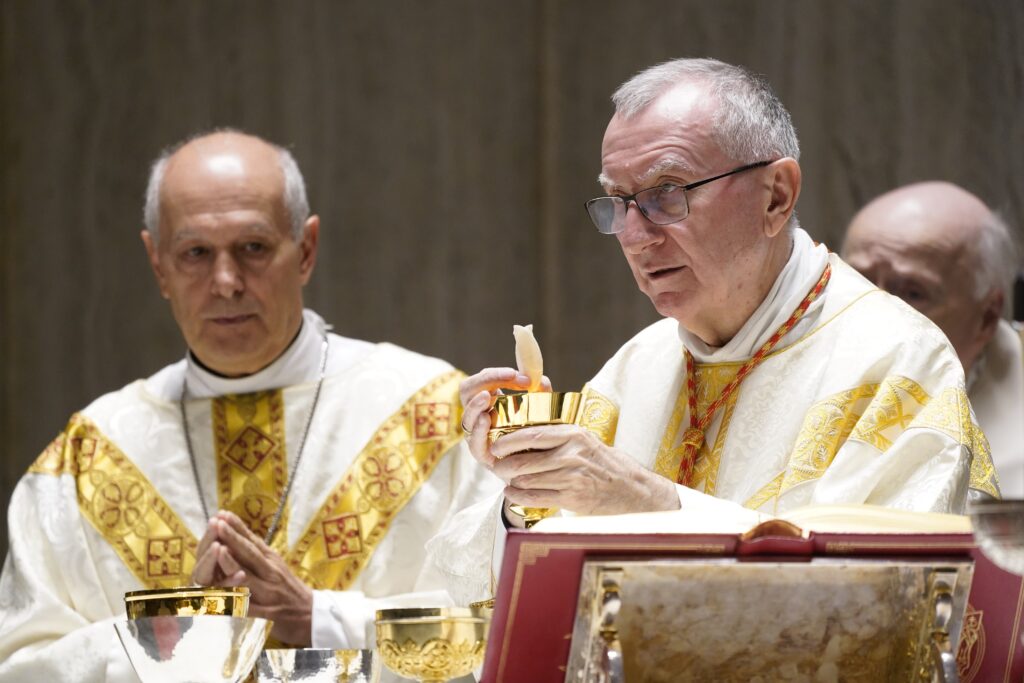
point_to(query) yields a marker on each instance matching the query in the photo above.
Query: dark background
(448, 147)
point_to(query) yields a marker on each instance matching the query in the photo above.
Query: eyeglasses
(661, 205)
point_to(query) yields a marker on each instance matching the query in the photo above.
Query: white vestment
(112, 505)
(996, 390)
(861, 402)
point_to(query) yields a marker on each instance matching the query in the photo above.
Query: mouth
(233, 319)
(655, 274)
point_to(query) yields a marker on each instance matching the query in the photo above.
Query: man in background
(275, 455)
(944, 252)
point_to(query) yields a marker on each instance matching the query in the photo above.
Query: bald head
(221, 152)
(939, 248)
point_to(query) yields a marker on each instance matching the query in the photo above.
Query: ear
(784, 189)
(154, 262)
(991, 314)
(308, 246)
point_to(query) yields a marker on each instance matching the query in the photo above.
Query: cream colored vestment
(112, 505)
(862, 402)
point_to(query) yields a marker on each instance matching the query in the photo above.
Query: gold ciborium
(516, 410)
(433, 644)
(187, 601)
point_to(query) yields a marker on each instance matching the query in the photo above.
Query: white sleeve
(468, 549)
(54, 626)
(346, 619)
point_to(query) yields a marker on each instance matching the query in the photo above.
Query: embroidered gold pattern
(711, 380)
(877, 414)
(598, 414)
(252, 461)
(356, 515)
(768, 492)
(826, 427)
(160, 551)
(122, 505)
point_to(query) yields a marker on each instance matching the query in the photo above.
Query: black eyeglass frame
(685, 188)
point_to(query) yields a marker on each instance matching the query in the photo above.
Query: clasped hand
(229, 554)
(561, 466)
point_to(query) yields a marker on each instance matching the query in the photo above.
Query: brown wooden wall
(448, 146)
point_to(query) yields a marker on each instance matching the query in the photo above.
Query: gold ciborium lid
(187, 601)
(516, 410)
(432, 644)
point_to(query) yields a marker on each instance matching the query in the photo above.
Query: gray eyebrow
(669, 163)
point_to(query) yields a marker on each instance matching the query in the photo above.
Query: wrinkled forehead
(673, 133)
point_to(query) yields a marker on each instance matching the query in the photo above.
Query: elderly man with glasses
(778, 378)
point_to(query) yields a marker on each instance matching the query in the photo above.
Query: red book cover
(540, 576)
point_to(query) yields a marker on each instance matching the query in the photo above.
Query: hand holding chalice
(517, 410)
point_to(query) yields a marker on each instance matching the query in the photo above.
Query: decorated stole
(876, 413)
(149, 537)
(122, 505)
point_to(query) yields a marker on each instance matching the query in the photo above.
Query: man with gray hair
(940, 249)
(275, 455)
(778, 378)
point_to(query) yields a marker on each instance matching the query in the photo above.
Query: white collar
(801, 272)
(300, 363)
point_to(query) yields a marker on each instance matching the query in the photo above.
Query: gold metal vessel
(187, 601)
(432, 644)
(516, 410)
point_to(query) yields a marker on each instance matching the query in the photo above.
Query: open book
(835, 519)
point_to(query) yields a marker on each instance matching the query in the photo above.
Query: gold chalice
(516, 410)
(187, 601)
(433, 644)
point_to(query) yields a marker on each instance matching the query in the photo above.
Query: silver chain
(298, 457)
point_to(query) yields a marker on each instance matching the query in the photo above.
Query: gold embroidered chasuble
(862, 402)
(894, 419)
(111, 505)
(126, 509)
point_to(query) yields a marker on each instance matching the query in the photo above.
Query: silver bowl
(999, 532)
(200, 649)
(319, 666)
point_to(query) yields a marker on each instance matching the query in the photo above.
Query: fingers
(235, 522)
(475, 407)
(546, 437)
(538, 498)
(492, 379)
(204, 572)
(226, 562)
(239, 578)
(521, 464)
(208, 537)
(477, 441)
(248, 554)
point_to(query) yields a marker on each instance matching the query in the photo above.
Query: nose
(227, 277)
(639, 233)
